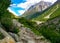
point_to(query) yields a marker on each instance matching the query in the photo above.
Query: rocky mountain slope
(39, 7)
(46, 14)
(50, 13)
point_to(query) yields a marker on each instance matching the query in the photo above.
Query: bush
(52, 35)
(1, 36)
(16, 30)
(7, 23)
(4, 4)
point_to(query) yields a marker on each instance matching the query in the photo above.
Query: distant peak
(58, 0)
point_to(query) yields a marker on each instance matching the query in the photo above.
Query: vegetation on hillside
(51, 30)
(48, 12)
(1, 36)
(6, 17)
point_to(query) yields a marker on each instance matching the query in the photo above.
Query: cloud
(52, 1)
(11, 11)
(23, 5)
(21, 11)
(28, 3)
(13, 4)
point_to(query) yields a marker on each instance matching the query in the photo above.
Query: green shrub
(1, 36)
(50, 34)
(4, 4)
(16, 30)
(7, 23)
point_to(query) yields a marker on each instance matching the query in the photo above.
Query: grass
(56, 13)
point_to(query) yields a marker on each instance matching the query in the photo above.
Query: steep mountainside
(39, 7)
(50, 13)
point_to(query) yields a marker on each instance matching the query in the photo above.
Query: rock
(27, 36)
(15, 36)
(7, 40)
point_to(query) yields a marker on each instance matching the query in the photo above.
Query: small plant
(16, 30)
(1, 36)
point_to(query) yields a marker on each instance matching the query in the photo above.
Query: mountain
(50, 13)
(58, 1)
(39, 7)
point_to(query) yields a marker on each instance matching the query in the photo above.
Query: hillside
(51, 29)
(50, 13)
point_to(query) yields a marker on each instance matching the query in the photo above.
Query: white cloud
(28, 3)
(11, 11)
(21, 11)
(13, 5)
(23, 5)
(33, 1)
(50, 1)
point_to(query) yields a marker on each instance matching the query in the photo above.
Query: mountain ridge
(37, 8)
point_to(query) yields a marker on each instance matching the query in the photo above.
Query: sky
(18, 7)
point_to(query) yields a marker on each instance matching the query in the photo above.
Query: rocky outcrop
(27, 36)
(15, 36)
